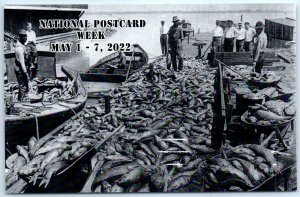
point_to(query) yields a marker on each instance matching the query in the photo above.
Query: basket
(261, 84)
(280, 124)
(287, 164)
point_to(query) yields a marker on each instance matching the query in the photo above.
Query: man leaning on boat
(19, 66)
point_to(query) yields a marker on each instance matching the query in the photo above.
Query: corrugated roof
(284, 21)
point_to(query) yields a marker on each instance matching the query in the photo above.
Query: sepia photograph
(150, 98)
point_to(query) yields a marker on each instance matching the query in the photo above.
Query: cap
(259, 25)
(22, 32)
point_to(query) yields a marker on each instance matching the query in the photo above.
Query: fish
(160, 143)
(228, 172)
(114, 172)
(31, 143)
(182, 146)
(268, 116)
(170, 158)
(31, 167)
(178, 183)
(117, 157)
(19, 162)
(54, 145)
(54, 168)
(202, 149)
(146, 149)
(133, 176)
(276, 106)
(22, 151)
(249, 169)
(263, 152)
(50, 156)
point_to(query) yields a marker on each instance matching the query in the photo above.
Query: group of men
(26, 59)
(246, 39)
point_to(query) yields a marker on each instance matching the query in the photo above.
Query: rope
(37, 127)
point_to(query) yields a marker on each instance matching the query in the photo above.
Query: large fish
(268, 116)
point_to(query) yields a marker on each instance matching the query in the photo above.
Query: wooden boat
(73, 167)
(44, 116)
(102, 71)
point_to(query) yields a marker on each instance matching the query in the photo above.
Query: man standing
(217, 37)
(175, 37)
(249, 35)
(229, 35)
(163, 39)
(260, 44)
(240, 39)
(32, 51)
(20, 67)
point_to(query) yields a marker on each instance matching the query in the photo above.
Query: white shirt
(242, 34)
(231, 32)
(260, 44)
(162, 30)
(31, 37)
(250, 33)
(218, 32)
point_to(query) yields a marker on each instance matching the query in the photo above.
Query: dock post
(107, 103)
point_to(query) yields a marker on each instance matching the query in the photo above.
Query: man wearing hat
(240, 39)
(260, 44)
(230, 34)
(32, 51)
(175, 37)
(163, 39)
(20, 66)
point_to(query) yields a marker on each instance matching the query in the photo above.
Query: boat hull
(19, 129)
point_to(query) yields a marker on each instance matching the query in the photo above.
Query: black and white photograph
(150, 98)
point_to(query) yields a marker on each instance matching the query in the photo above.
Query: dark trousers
(32, 65)
(176, 53)
(240, 45)
(248, 46)
(22, 82)
(163, 43)
(260, 63)
(228, 44)
(217, 44)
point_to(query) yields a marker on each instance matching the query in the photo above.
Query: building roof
(284, 21)
(60, 7)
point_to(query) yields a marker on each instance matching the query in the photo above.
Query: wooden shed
(280, 31)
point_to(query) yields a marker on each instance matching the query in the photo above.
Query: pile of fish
(57, 89)
(271, 112)
(168, 119)
(245, 167)
(41, 159)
